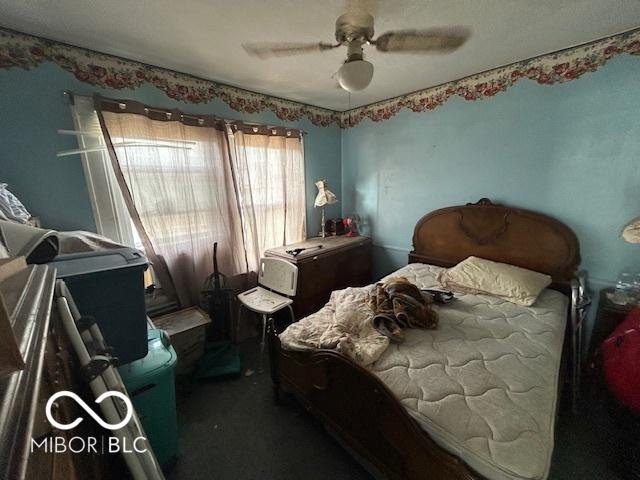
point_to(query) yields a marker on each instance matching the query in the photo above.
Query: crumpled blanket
(41, 245)
(397, 304)
(81, 241)
(344, 324)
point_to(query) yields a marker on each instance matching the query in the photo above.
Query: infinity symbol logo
(86, 408)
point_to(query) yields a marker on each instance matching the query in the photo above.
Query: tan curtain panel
(269, 168)
(179, 178)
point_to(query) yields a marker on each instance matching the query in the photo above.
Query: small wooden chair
(277, 282)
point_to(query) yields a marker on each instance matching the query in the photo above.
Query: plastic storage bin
(109, 285)
(150, 383)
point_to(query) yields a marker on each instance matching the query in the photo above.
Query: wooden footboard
(357, 407)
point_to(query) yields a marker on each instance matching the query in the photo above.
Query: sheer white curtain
(269, 171)
(188, 182)
(180, 181)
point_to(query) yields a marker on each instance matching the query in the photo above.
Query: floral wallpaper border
(559, 67)
(108, 71)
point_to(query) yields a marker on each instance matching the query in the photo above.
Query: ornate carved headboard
(527, 239)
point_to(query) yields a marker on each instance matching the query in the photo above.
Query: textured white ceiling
(204, 37)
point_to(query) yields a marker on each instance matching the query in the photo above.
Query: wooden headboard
(523, 238)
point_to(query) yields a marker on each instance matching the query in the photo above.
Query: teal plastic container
(150, 383)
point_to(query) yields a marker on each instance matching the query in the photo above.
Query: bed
(475, 398)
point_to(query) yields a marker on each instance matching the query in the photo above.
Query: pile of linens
(361, 322)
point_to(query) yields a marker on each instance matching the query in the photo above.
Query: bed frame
(356, 406)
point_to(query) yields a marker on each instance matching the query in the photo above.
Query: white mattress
(484, 384)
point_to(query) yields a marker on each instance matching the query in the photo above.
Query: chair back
(278, 275)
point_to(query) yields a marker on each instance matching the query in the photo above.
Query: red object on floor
(621, 361)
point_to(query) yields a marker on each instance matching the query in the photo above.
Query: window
(185, 188)
(270, 177)
(109, 210)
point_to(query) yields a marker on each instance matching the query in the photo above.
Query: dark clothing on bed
(399, 304)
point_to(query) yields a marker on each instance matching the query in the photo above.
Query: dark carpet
(231, 429)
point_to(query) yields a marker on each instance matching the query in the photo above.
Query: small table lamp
(631, 231)
(324, 197)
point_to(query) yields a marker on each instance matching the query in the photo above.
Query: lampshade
(631, 231)
(355, 75)
(325, 196)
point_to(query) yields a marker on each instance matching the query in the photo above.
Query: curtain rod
(70, 96)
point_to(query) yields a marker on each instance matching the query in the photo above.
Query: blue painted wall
(32, 109)
(571, 151)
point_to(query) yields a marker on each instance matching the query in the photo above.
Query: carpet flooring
(231, 429)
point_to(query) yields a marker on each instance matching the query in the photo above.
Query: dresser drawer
(328, 264)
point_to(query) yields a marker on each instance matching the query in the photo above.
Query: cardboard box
(187, 330)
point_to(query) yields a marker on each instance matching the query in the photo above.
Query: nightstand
(326, 264)
(625, 454)
(608, 317)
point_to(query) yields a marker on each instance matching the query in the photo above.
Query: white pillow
(477, 275)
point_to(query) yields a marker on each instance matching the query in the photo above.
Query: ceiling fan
(354, 30)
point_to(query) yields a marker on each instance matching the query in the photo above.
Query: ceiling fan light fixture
(355, 75)
(355, 29)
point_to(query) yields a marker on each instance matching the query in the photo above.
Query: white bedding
(484, 383)
(344, 324)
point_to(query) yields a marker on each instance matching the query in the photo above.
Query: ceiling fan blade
(441, 40)
(285, 49)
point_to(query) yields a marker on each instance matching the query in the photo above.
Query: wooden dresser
(326, 264)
